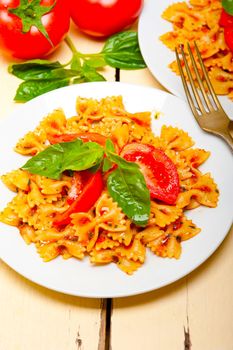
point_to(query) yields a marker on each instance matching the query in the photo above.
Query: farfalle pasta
(104, 232)
(198, 20)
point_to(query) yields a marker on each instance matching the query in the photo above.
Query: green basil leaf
(121, 162)
(49, 74)
(76, 62)
(33, 68)
(46, 163)
(122, 51)
(90, 73)
(96, 167)
(78, 80)
(110, 146)
(128, 188)
(96, 62)
(228, 6)
(40, 62)
(61, 73)
(57, 158)
(32, 88)
(107, 165)
(81, 156)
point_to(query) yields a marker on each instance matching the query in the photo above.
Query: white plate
(81, 278)
(157, 56)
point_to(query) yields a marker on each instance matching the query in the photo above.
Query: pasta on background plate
(104, 232)
(198, 21)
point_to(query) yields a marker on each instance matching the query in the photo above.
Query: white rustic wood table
(194, 313)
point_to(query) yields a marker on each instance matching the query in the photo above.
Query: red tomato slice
(104, 17)
(53, 139)
(79, 180)
(228, 34)
(76, 187)
(226, 20)
(83, 203)
(85, 137)
(159, 171)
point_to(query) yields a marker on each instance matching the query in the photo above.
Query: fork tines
(202, 99)
(198, 97)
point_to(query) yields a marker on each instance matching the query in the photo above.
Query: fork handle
(227, 137)
(230, 128)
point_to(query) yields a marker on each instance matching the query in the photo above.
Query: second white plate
(157, 56)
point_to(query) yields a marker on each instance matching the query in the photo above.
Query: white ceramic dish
(80, 278)
(157, 56)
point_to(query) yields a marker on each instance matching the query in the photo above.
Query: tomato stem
(72, 47)
(31, 13)
(84, 55)
(70, 44)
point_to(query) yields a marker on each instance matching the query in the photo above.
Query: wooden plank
(140, 77)
(33, 317)
(210, 302)
(105, 326)
(154, 320)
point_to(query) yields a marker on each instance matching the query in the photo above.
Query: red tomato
(228, 34)
(104, 17)
(159, 171)
(79, 180)
(85, 137)
(89, 195)
(76, 187)
(32, 44)
(226, 20)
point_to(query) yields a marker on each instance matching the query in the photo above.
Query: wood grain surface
(193, 313)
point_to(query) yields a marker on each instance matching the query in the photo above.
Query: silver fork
(207, 111)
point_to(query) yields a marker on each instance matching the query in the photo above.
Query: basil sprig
(228, 6)
(74, 155)
(40, 76)
(122, 51)
(125, 183)
(127, 187)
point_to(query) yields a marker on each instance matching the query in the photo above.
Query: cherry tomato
(104, 17)
(83, 203)
(228, 34)
(19, 37)
(85, 137)
(226, 20)
(159, 171)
